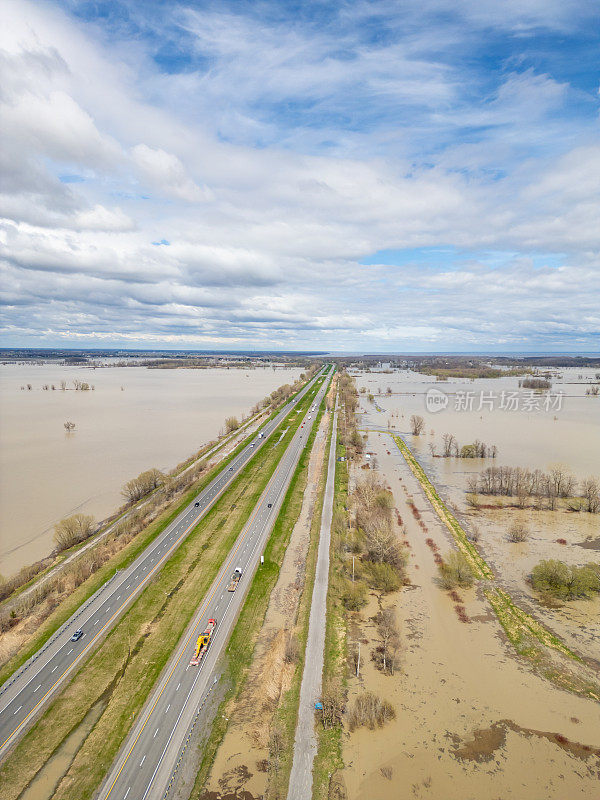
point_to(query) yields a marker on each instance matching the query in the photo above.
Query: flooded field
(472, 719)
(525, 433)
(569, 435)
(135, 418)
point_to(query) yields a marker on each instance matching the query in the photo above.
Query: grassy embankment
(240, 650)
(329, 749)
(524, 632)
(127, 663)
(119, 561)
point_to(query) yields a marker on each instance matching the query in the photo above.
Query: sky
(381, 176)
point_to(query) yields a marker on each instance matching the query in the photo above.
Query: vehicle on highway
(230, 469)
(77, 635)
(269, 505)
(197, 503)
(235, 579)
(203, 642)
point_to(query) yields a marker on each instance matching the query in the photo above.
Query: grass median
(126, 665)
(240, 650)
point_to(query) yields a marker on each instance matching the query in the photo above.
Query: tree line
(526, 484)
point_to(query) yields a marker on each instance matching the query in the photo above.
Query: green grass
(132, 656)
(119, 561)
(241, 645)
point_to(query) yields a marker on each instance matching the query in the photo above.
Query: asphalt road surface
(146, 764)
(26, 693)
(305, 742)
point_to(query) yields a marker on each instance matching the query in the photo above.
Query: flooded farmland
(473, 718)
(135, 418)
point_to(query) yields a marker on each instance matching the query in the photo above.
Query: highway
(146, 764)
(27, 692)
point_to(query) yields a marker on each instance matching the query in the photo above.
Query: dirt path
(472, 721)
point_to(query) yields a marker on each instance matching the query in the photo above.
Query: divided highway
(26, 693)
(146, 764)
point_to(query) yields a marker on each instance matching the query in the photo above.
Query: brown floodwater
(532, 438)
(45, 782)
(136, 418)
(472, 720)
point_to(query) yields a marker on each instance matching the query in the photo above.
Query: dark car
(77, 635)
(269, 505)
(197, 503)
(230, 469)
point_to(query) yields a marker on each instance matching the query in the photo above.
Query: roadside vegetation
(128, 661)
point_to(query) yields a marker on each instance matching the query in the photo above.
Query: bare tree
(72, 530)
(389, 638)
(417, 424)
(590, 490)
(231, 424)
(69, 426)
(449, 443)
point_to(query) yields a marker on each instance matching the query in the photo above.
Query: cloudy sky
(390, 175)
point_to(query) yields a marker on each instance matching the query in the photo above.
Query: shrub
(354, 596)
(456, 571)
(384, 577)
(72, 530)
(370, 711)
(565, 581)
(518, 532)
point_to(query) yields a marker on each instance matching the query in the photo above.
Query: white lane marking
(155, 732)
(97, 621)
(36, 688)
(55, 668)
(18, 709)
(178, 685)
(142, 761)
(70, 651)
(126, 793)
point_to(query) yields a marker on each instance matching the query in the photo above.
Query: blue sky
(362, 176)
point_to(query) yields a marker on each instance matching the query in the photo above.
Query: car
(197, 503)
(252, 444)
(77, 635)
(230, 469)
(269, 505)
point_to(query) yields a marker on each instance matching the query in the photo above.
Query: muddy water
(472, 721)
(135, 418)
(536, 439)
(45, 782)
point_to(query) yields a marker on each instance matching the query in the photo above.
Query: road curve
(26, 693)
(144, 768)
